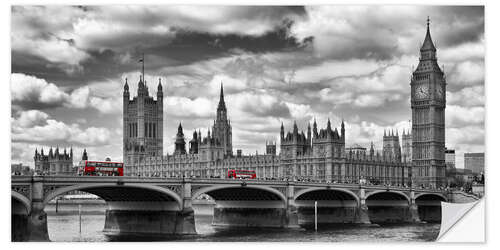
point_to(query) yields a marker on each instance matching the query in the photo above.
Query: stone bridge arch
(247, 205)
(429, 206)
(388, 206)
(22, 200)
(20, 212)
(137, 208)
(334, 205)
(394, 192)
(90, 188)
(312, 189)
(442, 196)
(206, 190)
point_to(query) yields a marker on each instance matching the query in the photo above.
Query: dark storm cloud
(38, 66)
(109, 55)
(189, 46)
(278, 64)
(460, 24)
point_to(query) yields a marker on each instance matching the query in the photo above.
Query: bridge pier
(185, 223)
(413, 213)
(144, 222)
(292, 217)
(413, 209)
(37, 219)
(362, 216)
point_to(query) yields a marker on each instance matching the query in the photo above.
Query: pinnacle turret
(84, 155)
(160, 88)
(179, 130)
(125, 87)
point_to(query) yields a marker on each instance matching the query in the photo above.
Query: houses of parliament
(319, 154)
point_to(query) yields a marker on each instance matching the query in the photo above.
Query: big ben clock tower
(428, 103)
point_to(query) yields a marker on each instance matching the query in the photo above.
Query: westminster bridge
(164, 206)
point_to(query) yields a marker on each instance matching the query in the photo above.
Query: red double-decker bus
(241, 174)
(101, 168)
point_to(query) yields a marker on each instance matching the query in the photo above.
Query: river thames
(64, 227)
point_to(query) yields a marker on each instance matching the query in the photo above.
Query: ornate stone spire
(222, 104)
(282, 131)
(342, 129)
(428, 44)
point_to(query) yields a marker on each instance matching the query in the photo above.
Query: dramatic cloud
(31, 92)
(36, 126)
(457, 116)
(469, 96)
(277, 64)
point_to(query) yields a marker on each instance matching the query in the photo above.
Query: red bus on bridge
(241, 174)
(101, 168)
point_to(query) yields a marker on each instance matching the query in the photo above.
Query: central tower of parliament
(320, 155)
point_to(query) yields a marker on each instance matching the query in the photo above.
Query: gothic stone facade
(319, 155)
(54, 163)
(142, 123)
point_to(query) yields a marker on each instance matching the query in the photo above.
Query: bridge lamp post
(315, 215)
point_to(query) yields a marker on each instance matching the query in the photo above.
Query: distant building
(20, 169)
(474, 162)
(458, 176)
(406, 147)
(391, 147)
(54, 163)
(449, 158)
(270, 148)
(356, 149)
(142, 123)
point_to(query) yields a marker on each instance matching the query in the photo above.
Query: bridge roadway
(164, 206)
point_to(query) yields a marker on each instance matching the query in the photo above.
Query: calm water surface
(64, 226)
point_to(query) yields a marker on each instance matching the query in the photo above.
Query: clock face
(422, 91)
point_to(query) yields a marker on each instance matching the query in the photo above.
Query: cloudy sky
(276, 63)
